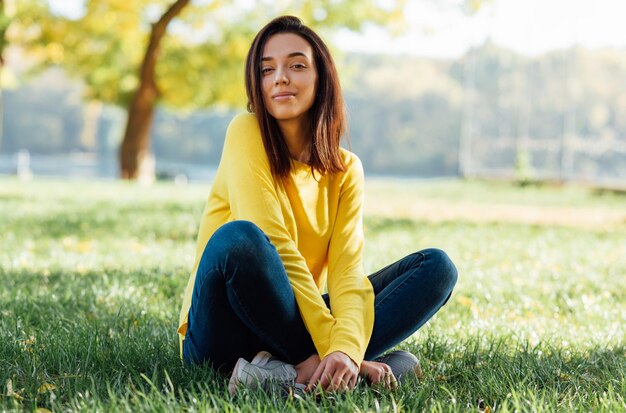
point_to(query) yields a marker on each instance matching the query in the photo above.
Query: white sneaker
(263, 369)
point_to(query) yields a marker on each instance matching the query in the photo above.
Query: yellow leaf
(464, 301)
(46, 387)
(138, 247)
(482, 407)
(55, 51)
(11, 392)
(84, 247)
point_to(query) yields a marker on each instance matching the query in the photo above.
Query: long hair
(327, 114)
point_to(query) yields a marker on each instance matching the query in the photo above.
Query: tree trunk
(136, 143)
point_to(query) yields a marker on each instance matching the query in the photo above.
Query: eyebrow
(293, 54)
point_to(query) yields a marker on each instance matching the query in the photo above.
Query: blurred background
(527, 91)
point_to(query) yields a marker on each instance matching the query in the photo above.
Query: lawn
(92, 274)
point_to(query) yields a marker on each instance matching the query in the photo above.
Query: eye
(266, 70)
(298, 66)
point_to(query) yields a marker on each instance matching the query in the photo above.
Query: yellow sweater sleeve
(351, 293)
(253, 196)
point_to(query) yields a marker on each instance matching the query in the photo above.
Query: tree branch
(158, 31)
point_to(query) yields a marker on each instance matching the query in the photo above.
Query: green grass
(92, 275)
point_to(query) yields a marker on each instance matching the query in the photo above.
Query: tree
(5, 20)
(125, 60)
(135, 144)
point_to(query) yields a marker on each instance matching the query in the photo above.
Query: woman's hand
(306, 369)
(336, 372)
(378, 373)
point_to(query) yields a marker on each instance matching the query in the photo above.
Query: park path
(432, 210)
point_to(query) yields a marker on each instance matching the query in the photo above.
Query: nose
(281, 77)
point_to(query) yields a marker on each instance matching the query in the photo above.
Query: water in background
(81, 165)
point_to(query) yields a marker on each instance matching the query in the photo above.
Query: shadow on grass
(131, 359)
(100, 220)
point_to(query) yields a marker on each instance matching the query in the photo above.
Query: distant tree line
(560, 116)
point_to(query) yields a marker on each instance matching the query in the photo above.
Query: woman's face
(289, 77)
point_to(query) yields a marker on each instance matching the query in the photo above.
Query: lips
(283, 95)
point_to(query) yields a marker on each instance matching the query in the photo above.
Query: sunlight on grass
(93, 274)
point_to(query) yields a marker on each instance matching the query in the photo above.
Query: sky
(530, 27)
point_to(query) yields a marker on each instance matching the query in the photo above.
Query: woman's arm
(351, 293)
(252, 196)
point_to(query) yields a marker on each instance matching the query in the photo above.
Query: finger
(394, 381)
(326, 378)
(391, 378)
(337, 377)
(338, 382)
(350, 378)
(316, 376)
(320, 378)
(387, 374)
(353, 381)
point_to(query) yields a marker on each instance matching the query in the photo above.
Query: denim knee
(241, 247)
(239, 230)
(443, 269)
(237, 238)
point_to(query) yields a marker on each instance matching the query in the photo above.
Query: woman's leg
(242, 302)
(408, 293)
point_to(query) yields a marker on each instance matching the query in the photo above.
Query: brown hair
(327, 114)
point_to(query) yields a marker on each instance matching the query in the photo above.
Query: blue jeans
(243, 303)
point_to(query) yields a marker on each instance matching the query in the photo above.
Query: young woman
(284, 220)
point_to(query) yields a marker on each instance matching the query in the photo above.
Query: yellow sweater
(315, 223)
